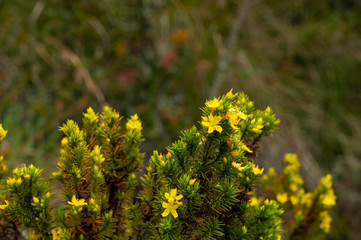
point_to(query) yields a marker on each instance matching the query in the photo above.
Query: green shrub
(204, 187)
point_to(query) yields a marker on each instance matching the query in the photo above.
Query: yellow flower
(244, 147)
(172, 205)
(134, 123)
(257, 171)
(4, 205)
(253, 202)
(238, 166)
(64, 141)
(192, 181)
(16, 171)
(10, 181)
(211, 122)
(230, 94)
(77, 203)
(57, 233)
(35, 200)
(257, 129)
(96, 150)
(162, 162)
(96, 208)
(3, 132)
(233, 119)
(282, 197)
(91, 115)
(329, 199)
(213, 104)
(242, 115)
(34, 235)
(291, 159)
(235, 153)
(173, 195)
(327, 181)
(19, 181)
(294, 200)
(325, 222)
(293, 187)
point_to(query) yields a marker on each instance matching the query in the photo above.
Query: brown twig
(82, 72)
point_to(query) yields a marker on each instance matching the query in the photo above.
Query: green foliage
(212, 168)
(29, 200)
(203, 188)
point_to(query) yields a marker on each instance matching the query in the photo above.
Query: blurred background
(163, 58)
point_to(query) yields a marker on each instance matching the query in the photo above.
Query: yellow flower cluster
(255, 169)
(134, 123)
(97, 156)
(91, 116)
(24, 173)
(3, 169)
(285, 189)
(288, 183)
(93, 206)
(257, 125)
(172, 204)
(220, 109)
(325, 221)
(327, 197)
(13, 181)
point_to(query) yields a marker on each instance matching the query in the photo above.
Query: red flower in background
(169, 59)
(127, 76)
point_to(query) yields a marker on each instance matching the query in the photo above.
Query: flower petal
(210, 129)
(218, 128)
(166, 212)
(206, 124)
(165, 204)
(174, 213)
(179, 197)
(173, 192)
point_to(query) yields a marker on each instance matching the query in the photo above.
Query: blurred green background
(163, 58)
